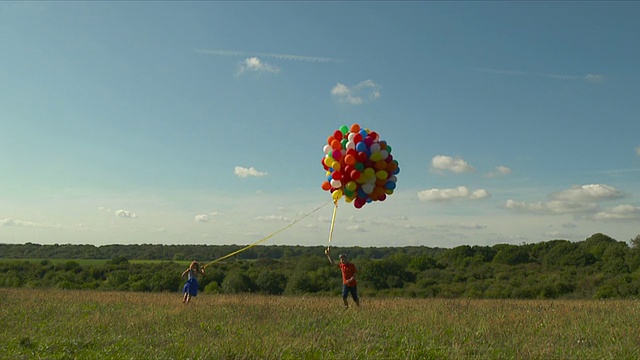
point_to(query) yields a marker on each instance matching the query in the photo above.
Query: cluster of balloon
(359, 166)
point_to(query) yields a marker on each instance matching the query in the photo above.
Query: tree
(613, 259)
(299, 283)
(271, 282)
(597, 244)
(511, 255)
(236, 283)
(633, 255)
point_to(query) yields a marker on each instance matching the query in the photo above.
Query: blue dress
(191, 286)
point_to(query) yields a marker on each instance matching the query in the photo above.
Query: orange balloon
(326, 186)
(355, 128)
(377, 192)
(350, 159)
(330, 139)
(336, 144)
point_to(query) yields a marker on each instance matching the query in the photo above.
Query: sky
(205, 122)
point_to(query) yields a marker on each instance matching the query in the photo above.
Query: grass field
(56, 324)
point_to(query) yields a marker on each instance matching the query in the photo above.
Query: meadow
(69, 324)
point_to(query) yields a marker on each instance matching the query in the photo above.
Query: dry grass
(53, 324)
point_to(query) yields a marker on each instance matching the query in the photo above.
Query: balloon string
(333, 220)
(267, 237)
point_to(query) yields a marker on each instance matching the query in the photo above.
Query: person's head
(194, 266)
(344, 258)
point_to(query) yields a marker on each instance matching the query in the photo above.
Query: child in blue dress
(191, 286)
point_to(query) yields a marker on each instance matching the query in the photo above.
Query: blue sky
(205, 122)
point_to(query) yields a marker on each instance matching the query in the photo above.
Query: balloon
(358, 166)
(337, 135)
(351, 160)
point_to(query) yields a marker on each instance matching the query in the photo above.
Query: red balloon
(337, 135)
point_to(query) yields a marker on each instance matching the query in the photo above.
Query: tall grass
(56, 324)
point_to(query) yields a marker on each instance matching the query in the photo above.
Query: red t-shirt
(348, 270)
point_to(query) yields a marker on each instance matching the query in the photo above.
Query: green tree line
(598, 267)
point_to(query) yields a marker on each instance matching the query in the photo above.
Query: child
(191, 286)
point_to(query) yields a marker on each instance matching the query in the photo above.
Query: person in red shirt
(349, 283)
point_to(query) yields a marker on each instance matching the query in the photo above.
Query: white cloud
(592, 78)
(256, 65)
(499, 171)
(202, 218)
(29, 224)
(588, 193)
(246, 172)
(271, 55)
(272, 217)
(620, 212)
(125, 214)
(440, 163)
(10, 222)
(551, 207)
(366, 90)
(459, 226)
(357, 228)
(461, 192)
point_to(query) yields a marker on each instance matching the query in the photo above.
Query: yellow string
(267, 237)
(333, 220)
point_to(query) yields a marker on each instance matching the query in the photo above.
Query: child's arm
(328, 253)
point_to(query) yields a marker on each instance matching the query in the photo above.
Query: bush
(236, 283)
(212, 288)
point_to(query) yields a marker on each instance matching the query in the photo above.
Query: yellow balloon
(328, 161)
(382, 174)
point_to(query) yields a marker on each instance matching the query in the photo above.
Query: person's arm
(328, 253)
(184, 273)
